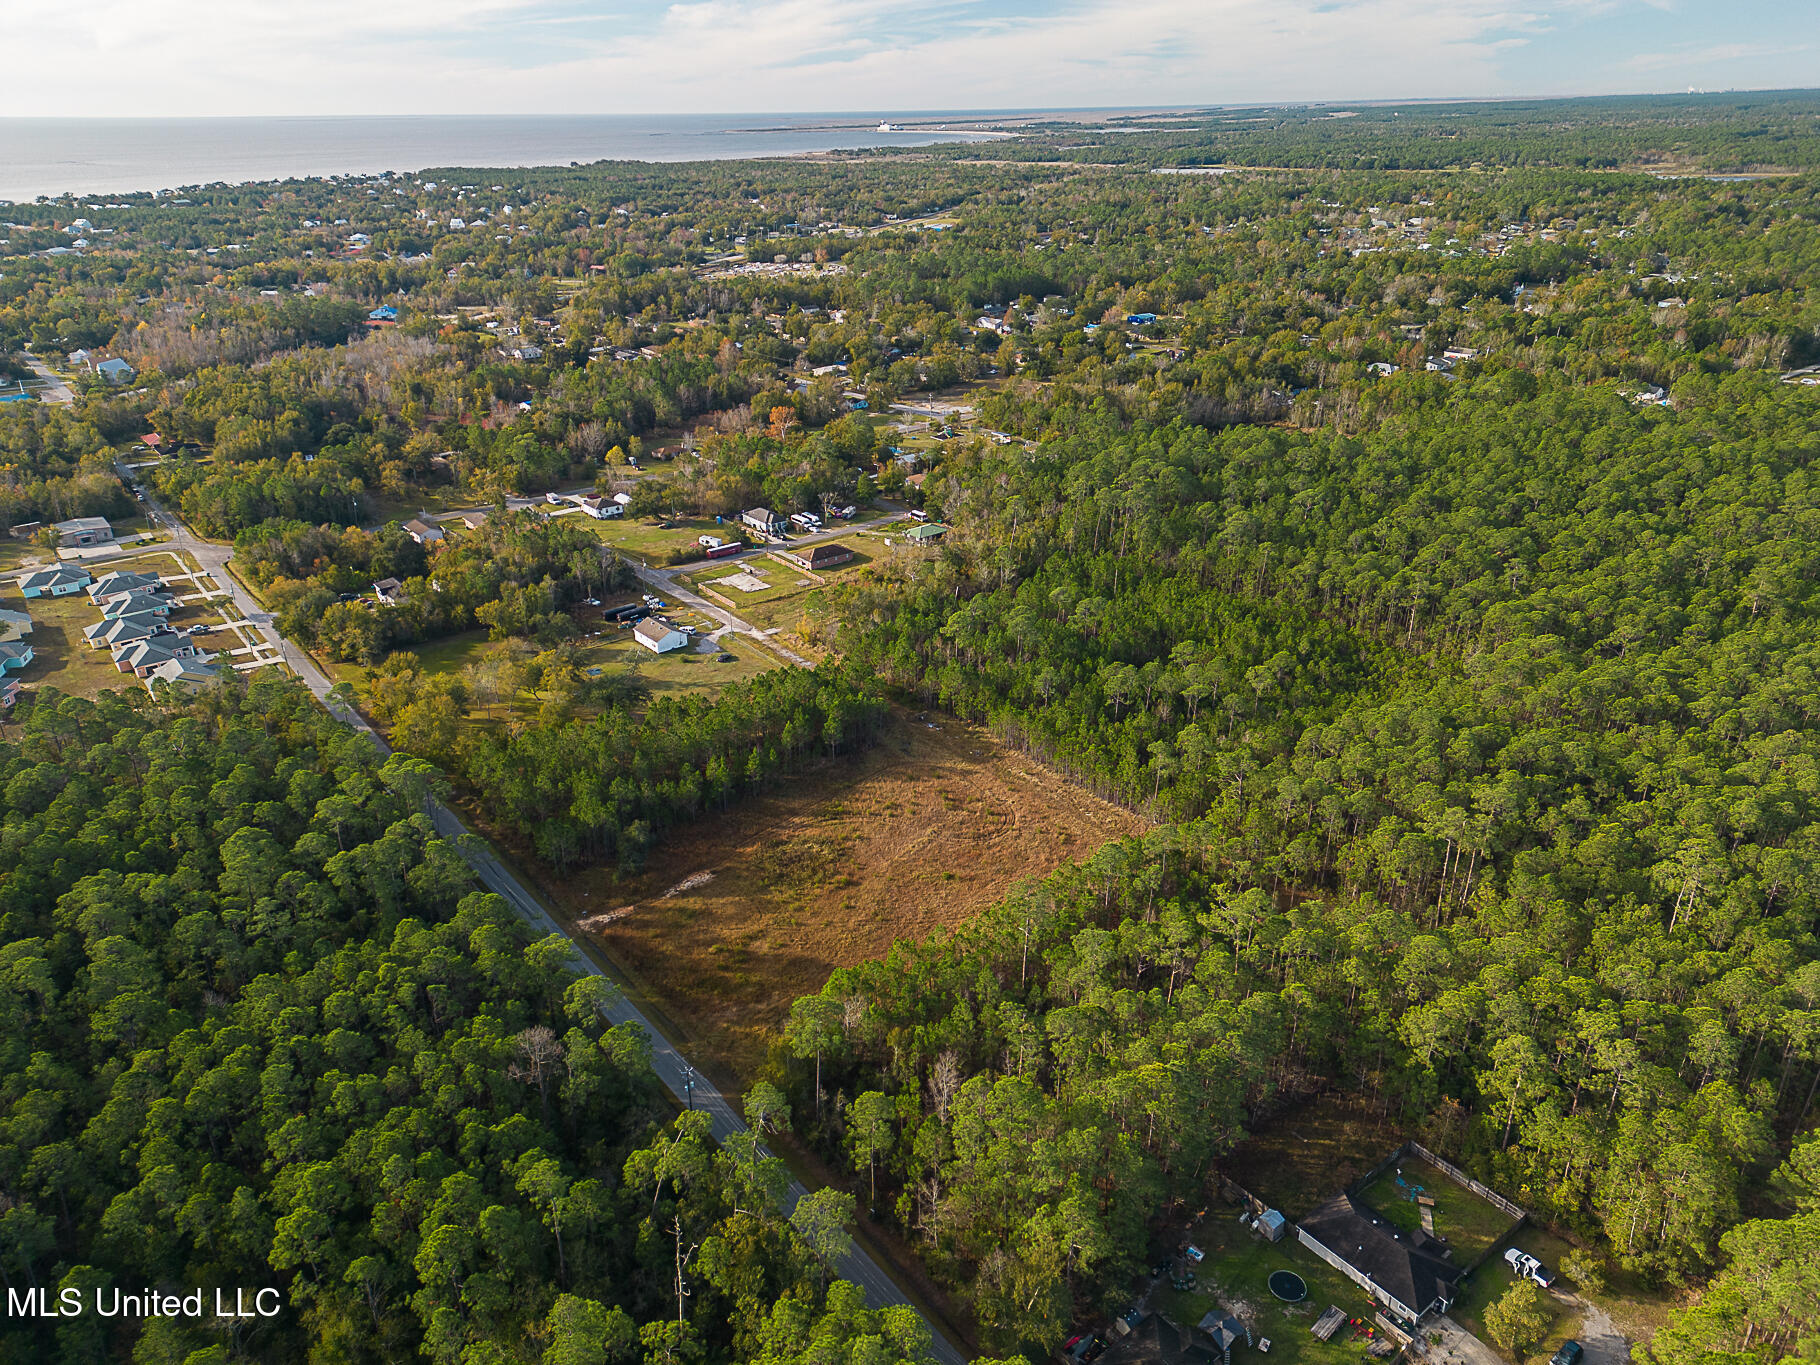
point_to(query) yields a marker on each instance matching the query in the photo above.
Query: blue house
(1140, 319)
(58, 582)
(14, 655)
(384, 313)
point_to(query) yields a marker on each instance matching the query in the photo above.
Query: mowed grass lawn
(1235, 1276)
(641, 538)
(61, 658)
(604, 650)
(1470, 1223)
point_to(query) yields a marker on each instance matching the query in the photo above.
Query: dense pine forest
(1413, 524)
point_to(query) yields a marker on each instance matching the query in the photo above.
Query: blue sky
(185, 57)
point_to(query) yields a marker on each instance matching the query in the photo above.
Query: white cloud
(711, 56)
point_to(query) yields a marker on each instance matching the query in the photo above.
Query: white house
(658, 636)
(423, 532)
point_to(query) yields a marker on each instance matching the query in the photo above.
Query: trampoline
(1288, 1286)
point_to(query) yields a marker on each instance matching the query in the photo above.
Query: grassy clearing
(1234, 1278)
(604, 649)
(1464, 1219)
(61, 658)
(1309, 1154)
(827, 869)
(644, 539)
(784, 580)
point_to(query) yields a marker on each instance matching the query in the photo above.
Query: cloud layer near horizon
(183, 57)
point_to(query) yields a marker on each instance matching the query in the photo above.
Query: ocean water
(88, 157)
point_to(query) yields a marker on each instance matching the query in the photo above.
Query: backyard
(1234, 1278)
(1469, 1223)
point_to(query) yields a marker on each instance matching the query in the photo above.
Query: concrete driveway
(1456, 1346)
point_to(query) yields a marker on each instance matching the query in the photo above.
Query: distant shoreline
(90, 158)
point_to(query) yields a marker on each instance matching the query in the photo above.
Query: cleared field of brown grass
(830, 869)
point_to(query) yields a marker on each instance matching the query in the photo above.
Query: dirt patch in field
(742, 913)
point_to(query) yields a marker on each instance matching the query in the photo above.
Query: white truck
(1527, 1267)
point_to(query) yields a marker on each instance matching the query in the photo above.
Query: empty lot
(739, 914)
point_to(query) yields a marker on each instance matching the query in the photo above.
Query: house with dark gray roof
(113, 584)
(60, 581)
(1410, 1272)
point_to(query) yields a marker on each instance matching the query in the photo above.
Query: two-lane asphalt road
(681, 1079)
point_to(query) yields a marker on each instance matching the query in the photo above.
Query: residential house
(117, 582)
(473, 520)
(527, 352)
(1408, 1271)
(822, 556)
(384, 313)
(927, 534)
(143, 656)
(14, 625)
(84, 531)
(9, 693)
(423, 532)
(116, 371)
(58, 582)
(595, 506)
(14, 655)
(388, 590)
(134, 603)
(124, 630)
(182, 673)
(660, 637)
(764, 521)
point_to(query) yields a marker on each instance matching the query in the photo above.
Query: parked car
(1527, 1267)
(1571, 1353)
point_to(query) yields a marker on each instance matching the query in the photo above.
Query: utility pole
(688, 1085)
